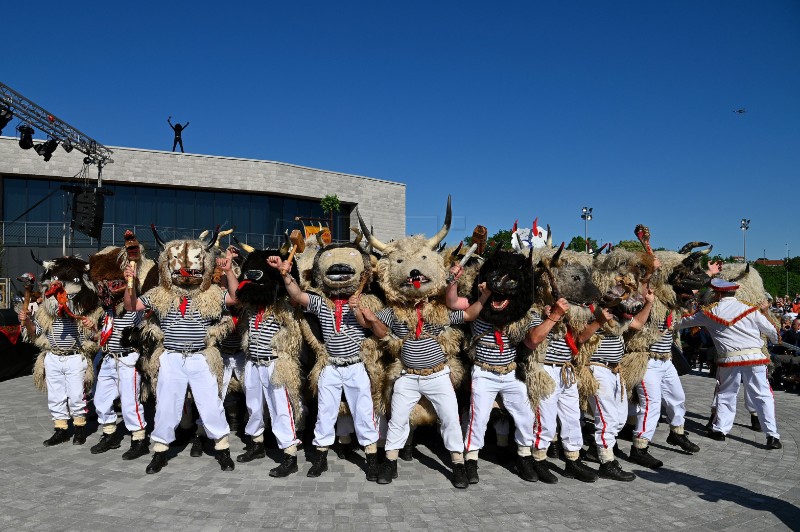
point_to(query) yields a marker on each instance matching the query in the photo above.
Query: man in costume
(188, 308)
(65, 332)
(736, 330)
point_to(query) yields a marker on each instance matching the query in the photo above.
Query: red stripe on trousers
(136, 400)
(538, 429)
(291, 416)
(471, 415)
(646, 408)
(603, 419)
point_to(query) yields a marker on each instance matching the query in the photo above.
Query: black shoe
(580, 471)
(472, 471)
(287, 467)
(197, 446)
(715, 435)
(612, 470)
(460, 479)
(255, 450)
(552, 450)
(342, 450)
(59, 436)
(407, 452)
(774, 443)
(138, 448)
(106, 443)
(526, 469)
(754, 423)
(319, 464)
(372, 466)
(79, 438)
(387, 472)
(224, 459)
(643, 458)
(159, 461)
(543, 472)
(626, 433)
(590, 454)
(682, 441)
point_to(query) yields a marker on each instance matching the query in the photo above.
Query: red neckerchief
(107, 330)
(570, 339)
(498, 339)
(259, 317)
(184, 304)
(420, 321)
(669, 320)
(339, 303)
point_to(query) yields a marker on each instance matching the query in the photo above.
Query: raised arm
(600, 319)
(295, 293)
(25, 320)
(367, 319)
(186, 125)
(473, 311)
(640, 319)
(226, 265)
(451, 294)
(538, 334)
(130, 299)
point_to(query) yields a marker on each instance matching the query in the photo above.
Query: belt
(67, 353)
(186, 349)
(262, 361)
(424, 372)
(567, 371)
(342, 362)
(610, 365)
(661, 356)
(119, 354)
(500, 370)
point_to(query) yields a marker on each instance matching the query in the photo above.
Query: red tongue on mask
(243, 284)
(416, 283)
(184, 273)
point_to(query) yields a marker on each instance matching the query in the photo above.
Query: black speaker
(88, 210)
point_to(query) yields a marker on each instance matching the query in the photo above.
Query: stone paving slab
(730, 485)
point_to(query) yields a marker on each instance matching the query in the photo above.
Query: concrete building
(182, 194)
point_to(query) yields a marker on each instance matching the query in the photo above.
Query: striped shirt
(424, 352)
(558, 351)
(610, 350)
(344, 343)
(487, 348)
(64, 334)
(231, 343)
(262, 328)
(664, 344)
(183, 332)
(119, 324)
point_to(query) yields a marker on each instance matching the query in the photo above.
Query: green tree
(630, 245)
(502, 237)
(577, 244)
(330, 204)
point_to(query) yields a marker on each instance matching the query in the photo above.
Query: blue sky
(517, 109)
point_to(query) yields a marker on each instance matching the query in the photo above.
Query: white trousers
(232, 365)
(756, 385)
(748, 401)
(485, 387)
(437, 388)
(661, 382)
(64, 375)
(610, 407)
(119, 378)
(564, 404)
(258, 388)
(354, 381)
(176, 372)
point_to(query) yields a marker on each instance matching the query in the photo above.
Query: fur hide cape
(207, 303)
(637, 343)
(286, 344)
(371, 355)
(87, 349)
(450, 340)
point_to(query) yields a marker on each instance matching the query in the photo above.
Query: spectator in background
(792, 336)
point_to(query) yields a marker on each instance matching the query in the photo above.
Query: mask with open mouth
(340, 269)
(259, 283)
(509, 276)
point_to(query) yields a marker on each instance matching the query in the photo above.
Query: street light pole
(787, 268)
(586, 215)
(745, 225)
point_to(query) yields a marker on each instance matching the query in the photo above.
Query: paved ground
(735, 484)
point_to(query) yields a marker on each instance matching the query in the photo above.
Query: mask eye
(576, 278)
(54, 278)
(399, 261)
(253, 275)
(76, 280)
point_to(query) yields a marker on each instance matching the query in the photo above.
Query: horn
(40, 262)
(743, 274)
(359, 235)
(203, 235)
(454, 253)
(706, 251)
(747, 269)
(596, 253)
(160, 244)
(496, 250)
(244, 246)
(514, 229)
(374, 242)
(689, 246)
(438, 237)
(535, 228)
(549, 237)
(287, 243)
(213, 241)
(226, 232)
(557, 256)
(318, 236)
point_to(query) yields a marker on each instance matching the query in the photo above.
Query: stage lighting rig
(46, 149)
(6, 116)
(25, 136)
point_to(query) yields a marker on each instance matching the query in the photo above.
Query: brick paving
(735, 484)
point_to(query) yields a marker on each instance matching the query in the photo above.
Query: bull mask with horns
(186, 264)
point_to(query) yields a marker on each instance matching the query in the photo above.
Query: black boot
(287, 467)
(138, 448)
(754, 423)
(319, 464)
(372, 466)
(552, 450)
(612, 470)
(106, 443)
(626, 433)
(526, 469)
(590, 455)
(342, 450)
(644, 458)
(159, 461)
(79, 437)
(197, 446)
(715, 435)
(59, 436)
(774, 443)
(472, 471)
(255, 450)
(710, 423)
(682, 441)
(407, 452)
(223, 457)
(388, 472)
(460, 479)
(543, 472)
(580, 471)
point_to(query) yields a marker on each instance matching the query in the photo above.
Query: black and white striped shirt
(487, 348)
(610, 350)
(664, 344)
(558, 351)
(262, 328)
(119, 324)
(424, 352)
(231, 343)
(344, 343)
(183, 332)
(64, 334)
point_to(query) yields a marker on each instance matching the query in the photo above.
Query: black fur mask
(259, 283)
(510, 278)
